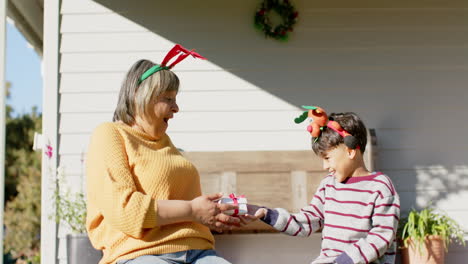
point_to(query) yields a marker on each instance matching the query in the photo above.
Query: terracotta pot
(432, 252)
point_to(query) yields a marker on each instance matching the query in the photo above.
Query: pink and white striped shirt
(358, 218)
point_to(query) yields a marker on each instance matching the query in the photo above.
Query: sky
(23, 71)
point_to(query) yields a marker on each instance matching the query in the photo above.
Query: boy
(357, 210)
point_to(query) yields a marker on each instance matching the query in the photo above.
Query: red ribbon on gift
(234, 199)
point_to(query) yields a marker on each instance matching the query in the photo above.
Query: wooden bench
(286, 179)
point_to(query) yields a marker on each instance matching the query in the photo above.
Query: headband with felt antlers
(176, 50)
(320, 120)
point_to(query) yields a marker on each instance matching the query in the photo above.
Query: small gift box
(241, 201)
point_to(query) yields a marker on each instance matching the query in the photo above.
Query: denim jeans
(182, 257)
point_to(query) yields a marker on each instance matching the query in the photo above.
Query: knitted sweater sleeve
(111, 189)
(380, 237)
(308, 220)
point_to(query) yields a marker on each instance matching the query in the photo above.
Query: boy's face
(339, 162)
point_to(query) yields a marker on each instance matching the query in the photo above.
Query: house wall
(402, 65)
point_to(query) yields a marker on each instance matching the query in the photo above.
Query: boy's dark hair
(329, 139)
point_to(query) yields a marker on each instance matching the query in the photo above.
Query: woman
(144, 198)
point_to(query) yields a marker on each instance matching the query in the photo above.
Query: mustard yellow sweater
(127, 173)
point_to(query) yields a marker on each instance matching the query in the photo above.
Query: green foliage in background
(70, 207)
(22, 217)
(22, 187)
(420, 224)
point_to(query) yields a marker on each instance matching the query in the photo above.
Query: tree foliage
(22, 187)
(22, 214)
(19, 141)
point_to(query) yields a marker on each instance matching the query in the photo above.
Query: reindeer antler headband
(320, 121)
(176, 50)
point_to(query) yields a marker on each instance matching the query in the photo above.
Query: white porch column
(50, 69)
(3, 7)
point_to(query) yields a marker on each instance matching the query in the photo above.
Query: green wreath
(287, 12)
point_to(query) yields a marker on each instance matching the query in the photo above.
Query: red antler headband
(320, 120)
(176, 50)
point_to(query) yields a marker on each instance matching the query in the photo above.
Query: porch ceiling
(29, 19)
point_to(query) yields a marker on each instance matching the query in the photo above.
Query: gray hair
(134, 98)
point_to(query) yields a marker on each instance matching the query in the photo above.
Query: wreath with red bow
(285, 10)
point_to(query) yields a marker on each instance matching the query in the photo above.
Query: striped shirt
(358, 219)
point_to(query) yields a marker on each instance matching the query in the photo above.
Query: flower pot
(80, 250)
(432, 252)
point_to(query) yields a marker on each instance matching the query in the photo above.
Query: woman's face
(160, 111)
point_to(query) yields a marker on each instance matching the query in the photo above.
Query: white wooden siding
(402, 65)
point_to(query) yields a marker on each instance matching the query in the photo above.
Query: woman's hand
(207, 211)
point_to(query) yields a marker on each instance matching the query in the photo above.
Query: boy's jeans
(182, 257)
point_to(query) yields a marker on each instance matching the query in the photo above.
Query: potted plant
(71, 210)
(426, 235)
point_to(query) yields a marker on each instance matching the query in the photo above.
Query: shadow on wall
(442, 187)
(224, 33)
(330, 54)
(428, 166)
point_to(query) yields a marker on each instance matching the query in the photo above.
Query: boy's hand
(254, 212)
